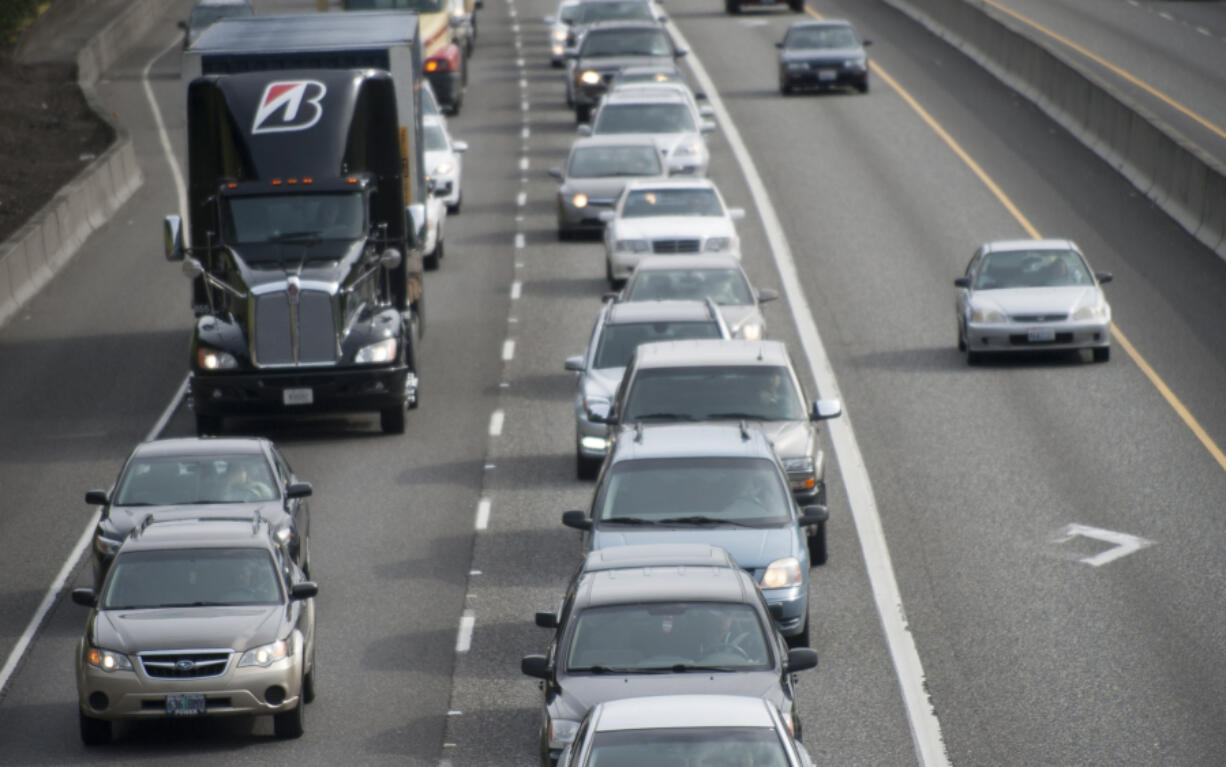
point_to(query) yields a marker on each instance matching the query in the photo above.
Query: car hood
(180, 628)
(675, 227)
(602, 382)
(791, 439)
(121, 519)
(821, 54)
(737, 315)
(1049, 300)
(580, 693)
(752, 548)
(432, 158)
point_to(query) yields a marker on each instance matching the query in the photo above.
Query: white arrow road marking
(1125, 544)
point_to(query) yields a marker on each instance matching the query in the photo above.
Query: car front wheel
(1102, 354)
(94, 732)
(292, 723)
(817, 545)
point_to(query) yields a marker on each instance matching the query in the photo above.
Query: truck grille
(185, 664)
(275, 321)
(674, 246)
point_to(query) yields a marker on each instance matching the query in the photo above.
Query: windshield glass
(656, 636)
(568, 12)
(205, 15)
(644, 118)
(705, 393)
(727, 287)
(421, 6)
(641, 203)
(1032, 269)
(191, 577)
(625, 42)
(743, 491)
(706, 746)
(822, 37)
(598, 161)
(618, 341)
(281, 218)
(590, 13)
(435, 138)
(196, 479)
(429, 104)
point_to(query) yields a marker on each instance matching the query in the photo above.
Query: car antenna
(744, 431)
(759, 354)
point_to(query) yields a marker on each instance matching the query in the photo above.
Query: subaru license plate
(298, 396)
(1041, 335)
(190, 704)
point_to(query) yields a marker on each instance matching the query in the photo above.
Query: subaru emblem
(185, 665)
(292, 287)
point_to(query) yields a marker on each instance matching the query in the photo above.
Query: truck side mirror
(172, 237)
(390, 259)
(547, 620)
(534, 666)
(192, 268)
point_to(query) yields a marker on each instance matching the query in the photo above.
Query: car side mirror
(172, 237)
(1104, 277)
(801, 658)
(182, 25)
(192, 268)
(825, 409)
(299, 490)
(679, 52)
(576, 519)
(575, 363)
(813, 515)
(700, 95)
(96, 498)
(707, 126)
(736, 214)
(607, 215)
(584, 129)
(962, 282)
(610, 296)
(866, 43)
(535, 666)
(304, 590)
(85, 597)
(547, 620)
(706, 110)
(767, 294)
(779, 44)
(459, 147)
(661, 18)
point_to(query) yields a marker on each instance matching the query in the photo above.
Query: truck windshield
(421, 6)
(280, 218)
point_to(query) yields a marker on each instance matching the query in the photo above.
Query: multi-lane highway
(434, 549)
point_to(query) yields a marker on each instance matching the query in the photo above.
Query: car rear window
(747, 491)
(643, 118)
(763, 393)
(619, 340)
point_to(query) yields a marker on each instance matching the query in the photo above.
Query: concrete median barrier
(1182, 179)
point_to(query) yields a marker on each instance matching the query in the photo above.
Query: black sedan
(822, 54)
(198, 477)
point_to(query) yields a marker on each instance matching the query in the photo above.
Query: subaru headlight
(782, 573)
(590, 77)
(1091, 312)
(214, 359)
(560, 35)
(265, 655)
(633, 246)
(444, 168)
(751, 331)
(579, 200)
(380, 351)
(799, 465)
(107, 660)
(717, 244)
(985, 314)
(561, 732)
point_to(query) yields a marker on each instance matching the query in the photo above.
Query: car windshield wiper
(601, 669)
(682, 667)
(200, 603)
(699, 519)
(663, 416)
(312, 236)
(628, 521)
(738, 414)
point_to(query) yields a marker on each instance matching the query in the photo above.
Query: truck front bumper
(266, 392)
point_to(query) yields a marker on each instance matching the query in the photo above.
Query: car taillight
(446, 60)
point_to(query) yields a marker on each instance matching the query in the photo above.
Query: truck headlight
(380, 351)
(561, 732)
(590, 77)
(265, 655)
(782, 573)
(214, 359)
(107, 660)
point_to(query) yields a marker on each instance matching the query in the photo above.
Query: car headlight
(590, 77)
(858, 63)
(214, 359)
(797, 65)
(751, 331)
(107, 660)
(561, 732)
(105, 546)
(265, 655)
(987, 315)
(1092, 312)
(717, 244)
(688, 149)
(633, 246)
(799, 465)
(579, 200)
(444, 168)
(283, 534)
(380, 351)
(560, 35)
(782, 573)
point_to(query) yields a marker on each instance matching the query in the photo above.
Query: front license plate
(1040, 335)
(297, 396)
(827, 74)
(190, 704)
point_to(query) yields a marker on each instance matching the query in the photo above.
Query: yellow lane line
(1176, 404)
(1172, 103)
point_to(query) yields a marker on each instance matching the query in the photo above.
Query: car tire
(733, 7)
(973, 357)
(454, 210)
(785, 89)
(290, 724)
(208, 424)
(961, 339)
(430, 262)
(862, 86)
(308, 686)
(391, 419)
(586, 468)
(583, 113)
(801, 639)
(817, 545)
(565, 235)
(94, 732)
(797, 6)
(1102, 354)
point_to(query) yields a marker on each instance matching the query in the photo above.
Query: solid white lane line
(496, 419)
(517, 288)
(925, 727)
(164, 419)
(508, 350)
(44, 607)
(464, 638)
(483, 514)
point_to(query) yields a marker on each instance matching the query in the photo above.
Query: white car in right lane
(667, 217)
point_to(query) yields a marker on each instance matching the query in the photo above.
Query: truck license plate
(825, 75)
(191, 704)
(298, 396)
(1040, 335)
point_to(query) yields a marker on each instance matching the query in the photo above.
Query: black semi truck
(304, 213)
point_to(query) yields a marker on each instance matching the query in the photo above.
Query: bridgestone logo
(289, 105)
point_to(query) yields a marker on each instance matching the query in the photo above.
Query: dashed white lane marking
(517, 289)
(519, 63)
(519, 239)
(496, 419)
(515, 29)
(483, 514)
(524, 106)
(523, 82)
(523, 163)
(521, 199)
(464, 638)
(1166, 16)
(1204, 31)
(508, 350)
(524, 132)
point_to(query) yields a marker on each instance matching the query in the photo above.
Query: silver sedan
(596, 171)
(1031, 295)
(717, 276)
